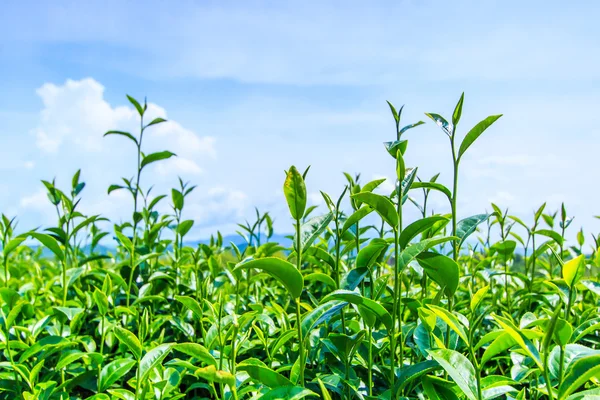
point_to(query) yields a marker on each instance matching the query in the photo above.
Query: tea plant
(365, 304)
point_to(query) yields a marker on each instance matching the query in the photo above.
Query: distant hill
(241, 243)
(110, 247)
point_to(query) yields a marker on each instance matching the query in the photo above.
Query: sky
(250, 88)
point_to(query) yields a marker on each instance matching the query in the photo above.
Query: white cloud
(503, 199)
(315, 198)
(180, 140)
(38, 204)
(217, 208)
(387, 186)
(38, 200)
(76, 115)
(69, 136)
(516, 160)
(178, 166)
(77, 112)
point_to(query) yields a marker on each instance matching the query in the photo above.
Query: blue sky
(253, 87)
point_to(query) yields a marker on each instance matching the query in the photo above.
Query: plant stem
(5, 261)
(370, 361)
(10, 357)
(455, 244)
(394, 311)
(300, 343)
(64, 281)
(137, 380)
(102, 335)
(298, 315)
(337, 261)
(135, 206)
(455, 249)
(546, 375)
(548, 384)
(508, 307)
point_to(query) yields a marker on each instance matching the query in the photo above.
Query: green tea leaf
(442, 123)
(417, 227)
(154, 157)
(433, 186)
(573, 270)
(184, 227)
(475, 132)
(368, 255)
(499, 345)
(294, 190)
(320, 277)
(459, 368)
(356, 298)
(467, 226)
(130, 340)
(114, 371)
(478, 297)
(313, 228)
(125, 134)
(153, 358)
(551, 234)
(356, 217)
(281, 270)
(458, 110)
(443, 270)
(451, 320)
(523, 342)
(136, 104)
(156, 121)
(320, 314)
(265, 375)
(381, 204)
(101, 301)
(288, 393)
(211, 374)
(197, 351)
(50, 243)
(578, 373)
(412, 251)
(13, 244)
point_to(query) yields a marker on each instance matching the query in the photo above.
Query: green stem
(562, 235)
(199, 299)
(5, 261)
(561, 364)
(12, 361)
(135, 206)
(337, 262)
(298, 315)
(370, 361)
(508, 307)
(394, 310)
(137, 380)
(474, 359)
(300, 343)
(546, 374)
(454, 197)
(130, 283)
(548, 384)
(233, 351)
(64, 282)
(455, 245)
(102, 334)
(533, 262)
